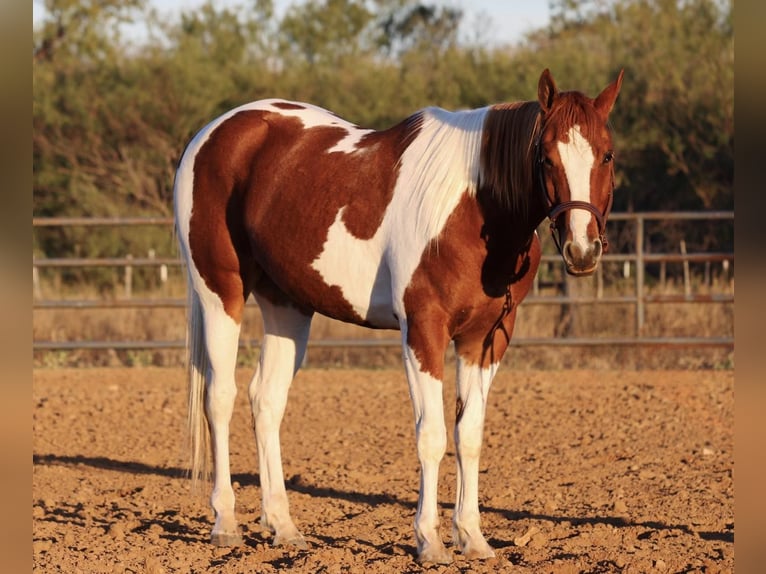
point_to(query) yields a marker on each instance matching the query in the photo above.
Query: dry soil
(582, 471)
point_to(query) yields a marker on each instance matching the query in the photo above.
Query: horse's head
(575, 161)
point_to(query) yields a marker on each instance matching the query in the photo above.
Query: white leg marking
(431, 438)
(577, 158)
(284, 344)
(221, 338)
(473, 385)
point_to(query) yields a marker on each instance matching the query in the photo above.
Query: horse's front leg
(473, 384)
(424, 363)
(476, 367)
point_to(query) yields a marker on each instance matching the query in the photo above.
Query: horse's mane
(488, 151)
(511, 131)
(441, 163)
(507, 159)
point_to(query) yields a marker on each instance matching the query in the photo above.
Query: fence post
(36, 283)
(640, 311)
(600, 281)
(128, 278)
(725, 270)
(687, 277)
(151, 254)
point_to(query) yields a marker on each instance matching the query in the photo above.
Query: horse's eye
(547, 162)
(608, 156)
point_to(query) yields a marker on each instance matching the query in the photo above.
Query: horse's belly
(357, 268)
(343, 277)
(376, 309)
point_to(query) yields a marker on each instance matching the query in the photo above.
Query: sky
(508, 20)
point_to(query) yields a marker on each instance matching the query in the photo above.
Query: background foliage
(112, 116)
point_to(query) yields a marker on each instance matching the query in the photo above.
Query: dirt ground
(582, 471)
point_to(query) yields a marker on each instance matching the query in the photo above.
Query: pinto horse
(427, 227)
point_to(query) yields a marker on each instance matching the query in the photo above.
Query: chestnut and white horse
(427, 227)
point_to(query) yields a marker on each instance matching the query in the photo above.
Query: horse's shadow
(174, 529)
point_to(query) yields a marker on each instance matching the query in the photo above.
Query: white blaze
(577, 159)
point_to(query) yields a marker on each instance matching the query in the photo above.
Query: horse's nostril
(597, 248)
(567, 252)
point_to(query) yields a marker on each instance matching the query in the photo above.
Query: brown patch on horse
(463, 284)
(484, 341)
(218, 245)
(272, 200)
(288, 106)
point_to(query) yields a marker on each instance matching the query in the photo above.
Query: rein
(554, 211)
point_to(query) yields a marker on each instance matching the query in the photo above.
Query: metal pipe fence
(639, 259)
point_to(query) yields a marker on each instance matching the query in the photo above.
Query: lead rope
(498, 324)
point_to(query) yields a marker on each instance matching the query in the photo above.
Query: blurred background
(120, 86)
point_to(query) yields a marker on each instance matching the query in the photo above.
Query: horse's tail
(197, 364)
(198, 439)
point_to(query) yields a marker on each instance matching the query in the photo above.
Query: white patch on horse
(438, 167)
(348, 144)
(310, 115)
(577, 158)
(354, 265)
(313, 116)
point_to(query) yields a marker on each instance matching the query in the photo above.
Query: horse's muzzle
(581, 262)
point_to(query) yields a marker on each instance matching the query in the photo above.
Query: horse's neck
(507, 241)
(512, 223)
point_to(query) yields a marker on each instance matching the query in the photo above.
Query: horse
(428, 227)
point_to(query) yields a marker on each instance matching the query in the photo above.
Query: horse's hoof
(438, 555)
(295, 541)
(226, 539)
(479, 553)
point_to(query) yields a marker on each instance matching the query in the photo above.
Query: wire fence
(634, 267)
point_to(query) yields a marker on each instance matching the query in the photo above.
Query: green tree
(675, 114)
(111, 118)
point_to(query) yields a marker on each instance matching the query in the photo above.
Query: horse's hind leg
(286, 332)
(222, 341)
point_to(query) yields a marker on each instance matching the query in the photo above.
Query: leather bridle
(553, 211)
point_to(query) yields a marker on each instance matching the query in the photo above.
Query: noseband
(554, 211)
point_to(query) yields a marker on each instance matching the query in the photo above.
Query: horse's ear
(605, 100)
(546, 90)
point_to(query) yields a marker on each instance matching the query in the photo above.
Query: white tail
(198, 434)
(197, 364)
